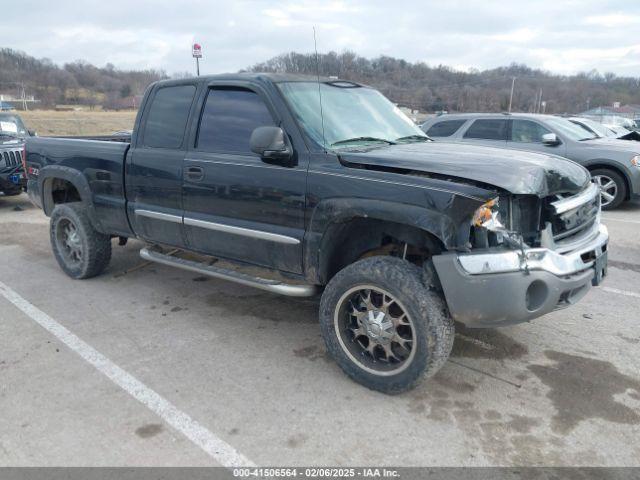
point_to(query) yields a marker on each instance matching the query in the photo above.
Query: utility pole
(537, 105)
(513, 84)
(540, 107)
(24, 97)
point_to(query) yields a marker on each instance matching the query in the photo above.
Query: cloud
(566, 36)
(522, 35)
(580, 59)
(612, 20)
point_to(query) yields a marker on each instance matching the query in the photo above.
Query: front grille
(569, 225)
(11, 158)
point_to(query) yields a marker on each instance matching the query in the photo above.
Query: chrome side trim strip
(569, 203)
(158, 215)
(291, 290)
(246, 232)
(234, 164)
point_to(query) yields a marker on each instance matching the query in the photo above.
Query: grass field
(49, 122)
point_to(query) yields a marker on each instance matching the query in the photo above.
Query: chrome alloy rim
(608, 189)
(69, 241)
(375, 330)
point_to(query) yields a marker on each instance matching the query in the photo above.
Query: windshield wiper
(362, 139)
(422, 138)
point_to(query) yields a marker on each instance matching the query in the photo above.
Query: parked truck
(323, 185)
(12, 135)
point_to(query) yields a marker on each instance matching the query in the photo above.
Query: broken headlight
(488, 216)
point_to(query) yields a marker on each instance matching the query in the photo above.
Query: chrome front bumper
(541, 259)
(503, 287)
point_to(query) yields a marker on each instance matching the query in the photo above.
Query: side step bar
(212, 271)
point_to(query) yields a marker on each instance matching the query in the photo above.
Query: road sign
(197, 50)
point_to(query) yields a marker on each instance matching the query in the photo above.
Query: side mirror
(32, 133)
(550, 139)
(272, 145)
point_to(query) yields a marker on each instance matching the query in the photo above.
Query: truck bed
(100, 163)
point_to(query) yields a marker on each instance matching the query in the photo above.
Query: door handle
(194, 173)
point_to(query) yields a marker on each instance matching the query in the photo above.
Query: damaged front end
(528, 256)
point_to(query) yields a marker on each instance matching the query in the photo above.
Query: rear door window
(445, 128)
(166, 120)
(488, 129)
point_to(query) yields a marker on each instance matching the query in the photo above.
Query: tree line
(437, 88)
(76, 83)
(415, 85)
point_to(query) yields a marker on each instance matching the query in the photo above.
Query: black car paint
(243, 190)
(95, 168)
(632, 135)
(516, 172)
(307, 202)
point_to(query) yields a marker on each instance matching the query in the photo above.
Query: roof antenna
(315, 45)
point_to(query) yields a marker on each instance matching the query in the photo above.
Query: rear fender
(77, 179)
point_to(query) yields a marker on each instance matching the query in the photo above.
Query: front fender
(450, 225)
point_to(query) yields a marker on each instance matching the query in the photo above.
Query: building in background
(627, 116)
(631, 112)
(13, 102)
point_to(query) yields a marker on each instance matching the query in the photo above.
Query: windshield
(570, 130)
(353, 115)
(596, 127)
(622, 130)
(11, 125)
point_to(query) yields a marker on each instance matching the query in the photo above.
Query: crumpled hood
(515, 171)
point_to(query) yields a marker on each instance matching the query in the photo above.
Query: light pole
(513, 84)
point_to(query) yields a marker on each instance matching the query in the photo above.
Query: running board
(273, 286)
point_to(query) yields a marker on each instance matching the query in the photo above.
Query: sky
(561, 36)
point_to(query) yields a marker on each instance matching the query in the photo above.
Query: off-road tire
(95, 246)
(621, 190)
(424, 303)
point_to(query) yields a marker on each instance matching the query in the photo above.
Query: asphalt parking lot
(236, 371)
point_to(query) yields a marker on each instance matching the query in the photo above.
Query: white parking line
(614, 219)
(626, 293)
(215, 447)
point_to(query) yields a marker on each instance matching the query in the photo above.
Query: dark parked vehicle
(614, 164)
(403, 235)
(12, 135)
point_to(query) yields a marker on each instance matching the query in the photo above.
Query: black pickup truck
(324, 185)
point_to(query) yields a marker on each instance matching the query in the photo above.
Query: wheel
(11, 193)
(613, 189)
(383, 326)
(80, 250)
